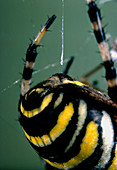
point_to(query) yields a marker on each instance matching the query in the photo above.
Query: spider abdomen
(65, 127)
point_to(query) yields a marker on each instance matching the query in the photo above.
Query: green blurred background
(20, 21)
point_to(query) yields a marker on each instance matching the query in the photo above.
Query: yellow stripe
(78, 83)
(114, 162)
(21, 108)
(36, 111)
(46, 139)
(46, 101)
(39, 141)
(73, 82)
(30, 113)
(39, 90)
(57, 165)
(62, 122)
(28, 137)
(31, 91)
(35, 140)
(87, 146)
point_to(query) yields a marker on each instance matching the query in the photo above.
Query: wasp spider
(69, 124)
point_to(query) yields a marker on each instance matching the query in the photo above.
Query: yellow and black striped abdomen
(65, 127)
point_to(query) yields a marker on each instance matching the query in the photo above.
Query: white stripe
(108, 140)
(58, 100)
(82, 112)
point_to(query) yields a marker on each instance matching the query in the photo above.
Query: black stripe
(112, 156)
(94, 15)
(112, 92)
(110, 70)
(31, 53)
(100, 35)
(50, 21)
(30, 56)
(27, 73)
(93, 11)
(68, 65)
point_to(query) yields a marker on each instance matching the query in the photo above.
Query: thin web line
(62, 34)
(104, 1)
(35, 72)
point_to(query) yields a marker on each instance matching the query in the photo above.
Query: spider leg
(68, 65)
(95, 18)
(31, 56)
(85, 77)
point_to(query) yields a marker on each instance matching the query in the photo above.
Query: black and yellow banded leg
(31, 56)
(95, 17)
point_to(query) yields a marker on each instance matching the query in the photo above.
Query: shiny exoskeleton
(69, 124)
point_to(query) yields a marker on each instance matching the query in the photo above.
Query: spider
(68, 123)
